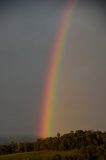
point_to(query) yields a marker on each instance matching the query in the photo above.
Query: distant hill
(16, 139)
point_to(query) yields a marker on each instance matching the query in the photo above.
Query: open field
(44, 155)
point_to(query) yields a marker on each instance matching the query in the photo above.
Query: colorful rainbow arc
(54, 68)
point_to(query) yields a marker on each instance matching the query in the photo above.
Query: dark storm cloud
(82, 85)
(26, 37)
(27, 32)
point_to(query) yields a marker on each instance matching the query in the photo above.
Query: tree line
(85, 143)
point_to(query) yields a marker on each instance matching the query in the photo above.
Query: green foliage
(82, 145)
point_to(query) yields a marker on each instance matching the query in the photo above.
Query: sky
(27, 32)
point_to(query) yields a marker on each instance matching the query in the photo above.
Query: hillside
(78, 145)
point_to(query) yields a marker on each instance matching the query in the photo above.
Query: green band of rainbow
(54, 68)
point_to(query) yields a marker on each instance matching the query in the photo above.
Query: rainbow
(49, 98)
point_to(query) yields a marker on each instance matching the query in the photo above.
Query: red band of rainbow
(51, 84)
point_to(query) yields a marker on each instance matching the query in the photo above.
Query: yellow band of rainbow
(55, 63)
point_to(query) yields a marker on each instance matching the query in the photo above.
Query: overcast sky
(27, 32)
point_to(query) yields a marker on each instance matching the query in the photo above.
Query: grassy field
(34, 155)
